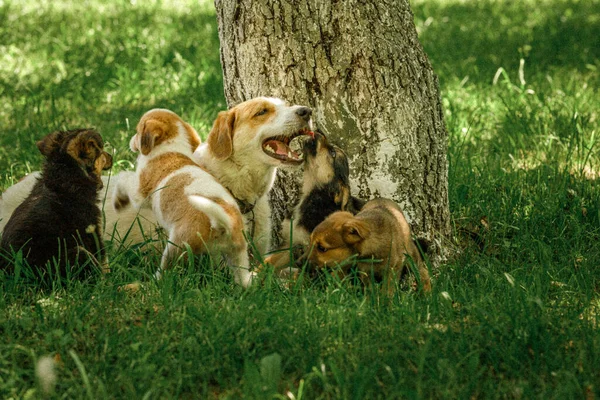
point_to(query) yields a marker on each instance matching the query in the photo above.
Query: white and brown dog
(243, 151)
(189, 203)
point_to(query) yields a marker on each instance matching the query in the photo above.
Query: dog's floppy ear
(104, 161)
(50, 143)
(355, 231)
(220, 138)
(341, 198)
(151, 130)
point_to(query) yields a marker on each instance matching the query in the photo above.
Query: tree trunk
(361, 68)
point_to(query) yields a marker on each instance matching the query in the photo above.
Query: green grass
(513, 315)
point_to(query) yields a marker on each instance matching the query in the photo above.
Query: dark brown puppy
(60, 220)
(325, 189)
(378, 236)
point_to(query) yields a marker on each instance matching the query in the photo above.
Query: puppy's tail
(218, 217)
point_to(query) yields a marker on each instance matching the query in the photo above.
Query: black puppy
(60, 223)
(325, 186)
(325, 189)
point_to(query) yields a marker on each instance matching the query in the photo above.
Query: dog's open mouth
(280, 147)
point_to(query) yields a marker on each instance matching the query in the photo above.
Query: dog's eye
(332, 153)
(321, 249)
(261, 112)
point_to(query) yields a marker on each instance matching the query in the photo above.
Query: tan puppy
(378, 236)
(243, 151)
(188, 202)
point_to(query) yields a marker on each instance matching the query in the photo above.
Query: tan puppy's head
(336, 239)
(84, 146)
(163, 127)
(262, 127)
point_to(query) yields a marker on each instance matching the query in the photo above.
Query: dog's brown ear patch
(50, 143)
(355, 231)
(149, 133)
(103, 162)
(342, 197)
(220, 138)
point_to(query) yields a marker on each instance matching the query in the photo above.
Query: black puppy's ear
(342, 197)
(50, 143)
(355, 231)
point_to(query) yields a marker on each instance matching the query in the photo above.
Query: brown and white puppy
(243, 151)
(190, 205)
(325, 189)
(378, 236)
(60, 220)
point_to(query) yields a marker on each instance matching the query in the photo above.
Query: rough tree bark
(359, 64)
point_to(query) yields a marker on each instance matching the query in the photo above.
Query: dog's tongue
(279, 148)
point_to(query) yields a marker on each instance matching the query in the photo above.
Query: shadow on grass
(476, 38)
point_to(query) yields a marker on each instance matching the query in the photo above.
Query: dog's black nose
(304, 112)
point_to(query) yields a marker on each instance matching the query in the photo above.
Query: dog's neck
(65, 177)
(247, 183)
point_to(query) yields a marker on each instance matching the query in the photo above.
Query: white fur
(218, 218)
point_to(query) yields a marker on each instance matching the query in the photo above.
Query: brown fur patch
(328, 236)
(88, 151)
(220, 138)
(159, 167)
(342, 197)
(103, 162)
(254, 113)
(193, 226)
(158, 126)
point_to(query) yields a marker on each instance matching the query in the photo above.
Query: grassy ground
(515, 315)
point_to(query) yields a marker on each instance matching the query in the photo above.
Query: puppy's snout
(304, 113)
